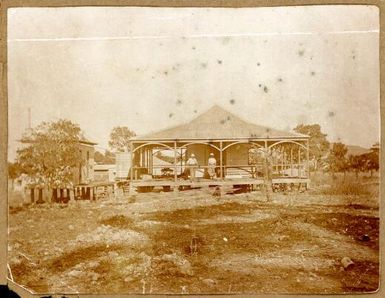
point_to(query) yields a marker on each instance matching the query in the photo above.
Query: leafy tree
(14, 170)
(367, 162)
(371, 161)
(51, 153)
(120, 138)
(107, 158)
(318, 144)
(357, 163)
(337, 158)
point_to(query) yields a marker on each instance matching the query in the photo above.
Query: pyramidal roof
(218, 123)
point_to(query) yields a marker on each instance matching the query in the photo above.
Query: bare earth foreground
(191, 242)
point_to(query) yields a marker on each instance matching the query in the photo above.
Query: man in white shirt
(192, 164)
(212, 163)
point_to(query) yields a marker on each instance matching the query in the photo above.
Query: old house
(243, 150)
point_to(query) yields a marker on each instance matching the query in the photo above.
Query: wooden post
(291, 160)
(53, 197)
(146, 160)
(131, 187)
(181, 160)
(151, 161)
(175, 173)
(39, 192)
(267, 175)
(299, 162)
(282, 156)
(32, 195)
(308, 163)
(221, 160)
(72, 195)
(91, 193)
(132, 163)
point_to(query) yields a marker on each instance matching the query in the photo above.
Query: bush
(350, 187)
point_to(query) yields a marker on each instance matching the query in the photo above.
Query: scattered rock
(209, 282)
(113, 254)
(93, 264)
(79, 267)
(183, 265)
(75, 273)
(93, 276)
(16, 260)
(109, 235)
(346, 262)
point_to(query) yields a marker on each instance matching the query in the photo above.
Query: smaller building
(105, 173)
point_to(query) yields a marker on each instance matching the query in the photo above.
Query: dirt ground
(194, 243)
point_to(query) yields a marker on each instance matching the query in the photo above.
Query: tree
(120, 138)
(14, 170)
(367, 162)
(336, 160)
(51, 153)
(107, 158)
(318, 144)
(371, 161)
(357, 163)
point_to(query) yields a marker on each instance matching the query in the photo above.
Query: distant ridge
(354, 149)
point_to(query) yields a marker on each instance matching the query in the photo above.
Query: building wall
(123, 164)
(237, 155)
(104, 173)
(84, 172)
(200, 151)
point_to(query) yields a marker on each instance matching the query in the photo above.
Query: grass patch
(346, 188)
(350, 187)
(72, 258)
(182, 216)
(118, 221)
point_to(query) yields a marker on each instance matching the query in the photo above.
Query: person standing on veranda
(212, 164)
(192, 164)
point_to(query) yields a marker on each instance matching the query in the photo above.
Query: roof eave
(142, 139)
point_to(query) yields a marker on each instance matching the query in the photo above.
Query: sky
(152, 68)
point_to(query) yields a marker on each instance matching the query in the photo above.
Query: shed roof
(218, 123)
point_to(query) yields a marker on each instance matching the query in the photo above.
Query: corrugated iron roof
(218, 123)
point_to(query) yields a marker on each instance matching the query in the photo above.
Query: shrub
(350, 187)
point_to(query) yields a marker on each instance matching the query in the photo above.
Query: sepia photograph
(160, 150)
